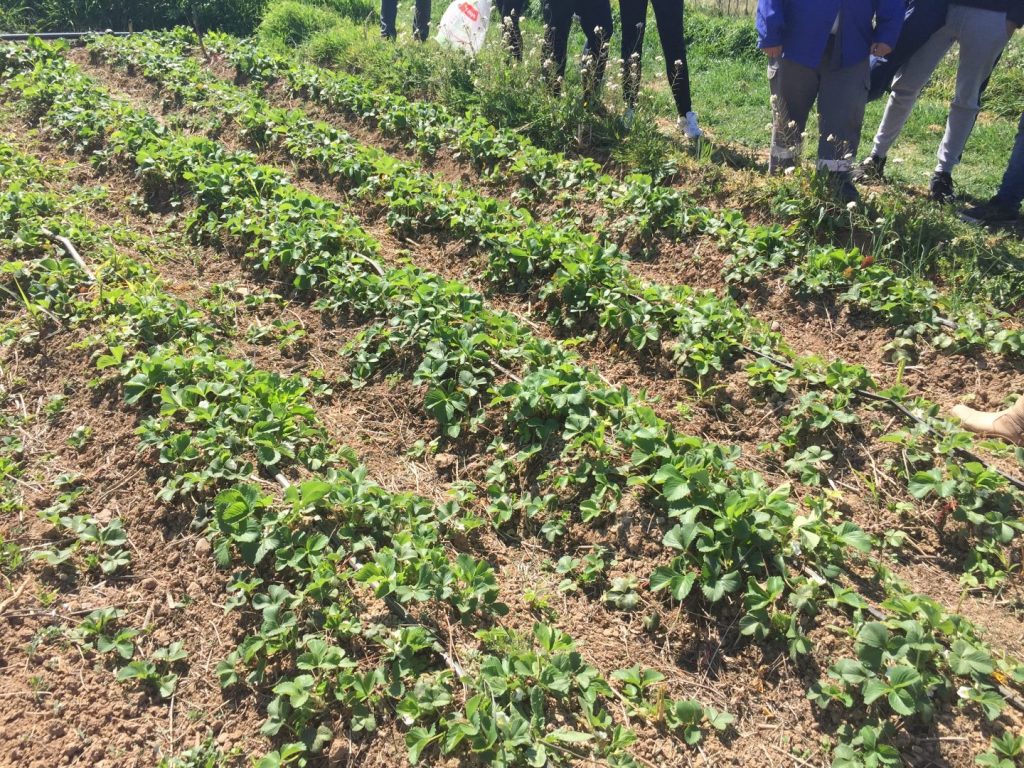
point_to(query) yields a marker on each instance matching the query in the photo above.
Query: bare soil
(59, 707)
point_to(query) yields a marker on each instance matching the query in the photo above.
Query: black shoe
(941, 187)
(871, 168)
(993, 213)
(841, 186)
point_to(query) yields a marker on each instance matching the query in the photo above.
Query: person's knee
(965, 104)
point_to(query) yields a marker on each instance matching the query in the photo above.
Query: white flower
(851, 205)
(803, 134)
(790, 170)
(831, 137)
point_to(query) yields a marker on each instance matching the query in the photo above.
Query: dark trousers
(420, 19)
(668, 14)
(596, 20)
(511, 12)
(841, 93)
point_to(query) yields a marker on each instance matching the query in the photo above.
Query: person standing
(596, 19)
(668, 15)
(818, 51)
(1004, 208)
(982, 28)
(420, 19)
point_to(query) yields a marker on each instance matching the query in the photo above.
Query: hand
(774, 51)
(881, 50)
(1011, 27)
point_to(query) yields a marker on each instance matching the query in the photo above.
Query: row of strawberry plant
(691, 529)
(215, 422)
(984, 505)
(638, 207)
(105, 111)
(553, 401)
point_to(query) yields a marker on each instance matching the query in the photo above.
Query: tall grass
(290, 24)
(235, 16)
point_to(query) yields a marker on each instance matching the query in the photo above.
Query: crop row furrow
(311, 563)
(684, 487)
(639, 209)
(581, 280)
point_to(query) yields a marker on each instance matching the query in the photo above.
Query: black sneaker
(871, 168)
(993, 213)
(941, 187)
(841, 186)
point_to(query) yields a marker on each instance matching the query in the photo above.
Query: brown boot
(1008, 424)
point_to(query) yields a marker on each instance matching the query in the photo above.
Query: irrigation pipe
(962, 452)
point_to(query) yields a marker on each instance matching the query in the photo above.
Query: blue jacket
(802, 27)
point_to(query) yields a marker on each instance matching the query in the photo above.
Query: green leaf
(417, 740)
(853, 537)
(720, 721)
(965, 659)
(570, 736)
(675, 486)
(874, 689)
(873, 634)
(680, 536)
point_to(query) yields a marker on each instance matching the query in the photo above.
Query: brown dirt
(766, 692)
(59, 706)
(729, 414)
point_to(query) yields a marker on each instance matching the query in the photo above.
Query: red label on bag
(470, 10)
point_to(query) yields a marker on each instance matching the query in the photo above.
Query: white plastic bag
(464, 25)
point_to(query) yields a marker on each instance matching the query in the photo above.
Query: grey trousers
(982, 36)
(841, 93)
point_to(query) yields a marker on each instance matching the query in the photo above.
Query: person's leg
(596, 19)
(794, 88)
(841, 101)
(388, 11)
(669, 17)
(633, 14)
(906, 87)
(1011, 191)
(557, 19)
(982, 36)
(421, 20)
(511, 13)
